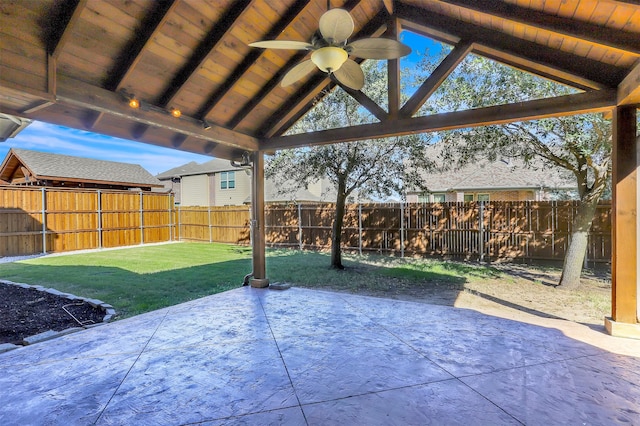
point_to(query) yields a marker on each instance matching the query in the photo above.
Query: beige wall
(194, 190)
(235, 196)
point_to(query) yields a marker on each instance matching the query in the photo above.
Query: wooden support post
(393, 72)
(624, 268)
(257, 206)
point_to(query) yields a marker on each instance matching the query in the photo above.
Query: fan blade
(378, 48)
(298, 72)
(336, 25)
(282, 44)
(350, 74)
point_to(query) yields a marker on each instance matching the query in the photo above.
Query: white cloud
(46, 137)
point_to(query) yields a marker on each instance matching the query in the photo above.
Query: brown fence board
(80, 219)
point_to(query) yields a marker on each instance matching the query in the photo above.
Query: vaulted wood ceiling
(69, 62)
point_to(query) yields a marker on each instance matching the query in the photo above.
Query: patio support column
(624, 268)
(257, 209)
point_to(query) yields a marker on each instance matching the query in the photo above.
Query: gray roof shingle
(44, 164)
(501, 174)
(214, 166)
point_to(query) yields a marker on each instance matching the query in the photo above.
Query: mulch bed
(26, 312)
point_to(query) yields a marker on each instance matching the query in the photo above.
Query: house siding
(235, 196)
(195, 190)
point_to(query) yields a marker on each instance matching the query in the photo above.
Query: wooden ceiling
(69, 63)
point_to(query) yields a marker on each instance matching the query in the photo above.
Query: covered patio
(260, 356)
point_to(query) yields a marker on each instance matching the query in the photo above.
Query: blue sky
(39, 136)
(46, 137)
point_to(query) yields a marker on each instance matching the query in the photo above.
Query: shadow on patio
(250, 356)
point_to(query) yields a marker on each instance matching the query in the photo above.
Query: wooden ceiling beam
(629, 89)
(80, 94)
(596, 34)
(202, 52)
(437, 77)
(393, 71)
(299, 103)
(56, 50)
(199, 57)
(251, 58)
(595, 101)
(133, 52)
(531, 53)
(368, 103)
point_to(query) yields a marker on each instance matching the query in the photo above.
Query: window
(438, 198)
(468, 197)
(483, 197)
(227, 180)
(423, 198)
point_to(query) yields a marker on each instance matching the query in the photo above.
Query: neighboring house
(500, 180)
(214, 183)
(218, 183)
(34, 168)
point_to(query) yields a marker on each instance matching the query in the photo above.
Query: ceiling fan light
(330, 58)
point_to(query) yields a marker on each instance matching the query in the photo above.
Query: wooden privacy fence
(508, 230)
(480, 231)
(42, 220)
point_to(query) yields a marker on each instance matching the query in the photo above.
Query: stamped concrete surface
(295, 357)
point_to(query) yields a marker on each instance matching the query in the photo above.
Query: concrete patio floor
(296, 357)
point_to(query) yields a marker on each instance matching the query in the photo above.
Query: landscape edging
(108, 310)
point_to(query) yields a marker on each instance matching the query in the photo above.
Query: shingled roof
(23, 166)
(501, 174)
(214, 166)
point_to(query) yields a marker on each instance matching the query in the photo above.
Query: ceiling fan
(330, 50)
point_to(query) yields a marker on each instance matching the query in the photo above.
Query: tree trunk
(574, 258)
(336, 231)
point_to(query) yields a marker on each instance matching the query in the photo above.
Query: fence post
(481, 229)
(300, 225)
(44, 221)
(401, 228)
(360, 228)
(170, 220)
(141, 220)
(99, 219)
(209, 222)
(179, 222)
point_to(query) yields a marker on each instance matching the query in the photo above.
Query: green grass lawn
(142, 279)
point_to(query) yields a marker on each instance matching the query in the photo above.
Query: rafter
(596, 34)
(265, 90)
(56, 50)
(437, 77)
(368, 103)
(199, 57)
(251, 58)
(133, 52)
(594, 101)
(629, 89)
(532, 54)
(202, 52)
